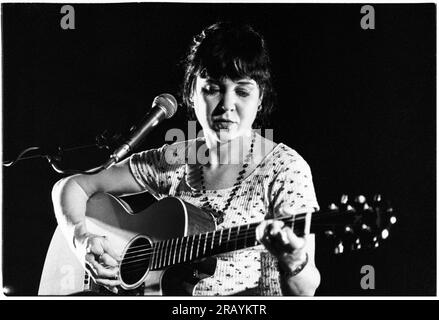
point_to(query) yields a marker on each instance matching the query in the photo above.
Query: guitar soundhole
(135, 263)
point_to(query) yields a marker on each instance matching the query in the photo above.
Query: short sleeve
(293, 187)
(150, 170)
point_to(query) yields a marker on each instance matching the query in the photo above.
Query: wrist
(80, 236)
(288, 270)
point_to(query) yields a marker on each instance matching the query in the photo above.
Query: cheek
(249, 111)
(202, 107)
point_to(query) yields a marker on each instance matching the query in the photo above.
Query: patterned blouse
(282, 178)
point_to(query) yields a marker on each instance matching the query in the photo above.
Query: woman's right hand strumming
(70, 196)
(101, 260)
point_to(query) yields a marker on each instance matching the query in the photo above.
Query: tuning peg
(348, 229)
(365, 227)
(329, 233)
(385, 234)
(339, 249)
(357, 244)
(377, 198)
(350, 209)
(344, 199)
(360, 199)
(333, 207)
(392, 218)
(366, 207)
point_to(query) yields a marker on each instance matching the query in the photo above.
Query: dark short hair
(228, 50)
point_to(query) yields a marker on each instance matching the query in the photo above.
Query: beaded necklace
(219, 214)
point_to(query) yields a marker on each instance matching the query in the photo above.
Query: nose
(228, 101)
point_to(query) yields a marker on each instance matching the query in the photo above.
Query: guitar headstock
(358, 223)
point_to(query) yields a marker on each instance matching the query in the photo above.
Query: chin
(226, 135)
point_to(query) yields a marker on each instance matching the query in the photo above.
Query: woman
(242, 178)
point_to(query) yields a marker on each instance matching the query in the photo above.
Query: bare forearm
(304, 283)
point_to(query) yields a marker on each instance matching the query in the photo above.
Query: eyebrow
(245, 82)
(240, 82)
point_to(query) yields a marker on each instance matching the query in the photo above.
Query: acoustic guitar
(170, 246)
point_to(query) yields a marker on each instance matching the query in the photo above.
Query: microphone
(163, 106)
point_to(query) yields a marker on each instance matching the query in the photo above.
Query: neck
(232, 151)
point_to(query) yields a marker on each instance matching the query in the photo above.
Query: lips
(221, 123)
(221, 120)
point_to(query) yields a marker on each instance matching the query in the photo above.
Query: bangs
(232, 67)
(232, 55)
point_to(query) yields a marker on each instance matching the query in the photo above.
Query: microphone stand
(55, 157)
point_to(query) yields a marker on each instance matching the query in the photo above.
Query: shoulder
(178, 152)
(167, 154)
(286, 158)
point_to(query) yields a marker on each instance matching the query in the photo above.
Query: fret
(175, 255)
(236, 238)
(213, 240)
(164, 250)
(159, 256)
(183, 245)
(245, 236)
(186, 251)
(198, 245)
(192, 247)
(220, 237)
(205, 243)
(157, 252)
(170, 252)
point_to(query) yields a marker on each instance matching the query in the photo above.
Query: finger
(108, 260)
(260, 230)
(275, 228)
(264, 236)
(108, 282)
(281, 238)
(101, 270)
(290, 211)
(295, 241)
(108, 249)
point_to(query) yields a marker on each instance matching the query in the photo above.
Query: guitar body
(64, 273)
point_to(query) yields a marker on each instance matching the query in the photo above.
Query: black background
(358, 105)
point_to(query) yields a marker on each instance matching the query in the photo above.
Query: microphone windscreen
(167, 102)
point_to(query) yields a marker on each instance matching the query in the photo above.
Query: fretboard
(189, 248)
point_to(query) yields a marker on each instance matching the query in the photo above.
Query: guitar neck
(193, 247)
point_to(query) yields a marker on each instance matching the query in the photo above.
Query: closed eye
(242, 93)
(210, 90)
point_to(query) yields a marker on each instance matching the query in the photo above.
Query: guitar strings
(233, 233)
(300, 218)
(165, 259)
(232, 236)
(165, 253)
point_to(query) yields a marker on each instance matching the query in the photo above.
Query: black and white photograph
(207, 149)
